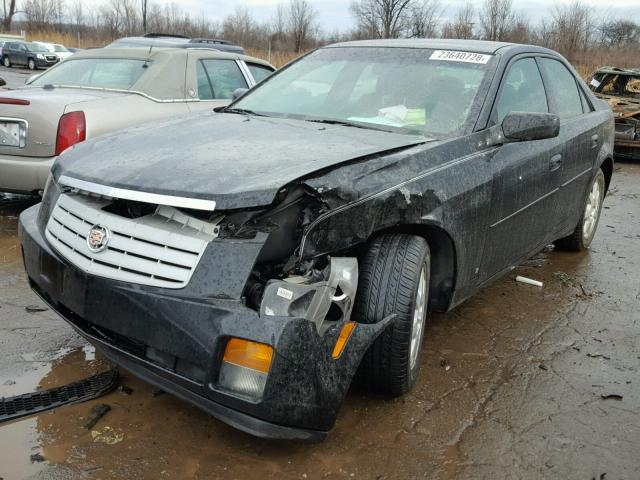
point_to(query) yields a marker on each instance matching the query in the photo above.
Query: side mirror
(525, 126)
(237, 93)
(2, 82)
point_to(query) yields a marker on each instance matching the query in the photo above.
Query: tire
(394, 279)
(6, 62)
(31, 64)
(584, 232)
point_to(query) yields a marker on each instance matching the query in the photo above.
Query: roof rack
(210, 41)
(163, 35)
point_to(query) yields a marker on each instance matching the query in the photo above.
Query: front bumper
(176, 342)
(40, 63)
(24, 174)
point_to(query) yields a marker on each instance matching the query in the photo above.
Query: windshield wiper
(348, 123)
(242, 111)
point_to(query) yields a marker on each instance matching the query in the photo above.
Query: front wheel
(584, 232)
(394, 279)
(6, 62)
(31, 64)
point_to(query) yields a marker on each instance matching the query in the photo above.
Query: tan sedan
(99, 91)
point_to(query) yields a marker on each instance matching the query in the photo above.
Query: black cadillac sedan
(256, 260)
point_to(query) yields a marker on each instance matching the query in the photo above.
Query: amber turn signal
(343, 338)
(253, 355)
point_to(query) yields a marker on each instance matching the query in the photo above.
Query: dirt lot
(515, 383)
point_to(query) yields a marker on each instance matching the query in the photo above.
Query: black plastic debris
(37, 458)
(96, 413)
(30, 403)
(612, 396)
(35, 309)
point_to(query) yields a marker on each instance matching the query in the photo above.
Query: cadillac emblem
(98, 238)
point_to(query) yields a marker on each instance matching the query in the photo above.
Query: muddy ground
(515, 383)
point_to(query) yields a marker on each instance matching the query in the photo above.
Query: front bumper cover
(176, 342)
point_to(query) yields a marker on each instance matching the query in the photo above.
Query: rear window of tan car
(114, 73)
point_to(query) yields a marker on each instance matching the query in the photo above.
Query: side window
(259, 72)
(224, 76)
(563, 88)
(523, 90)
(204, 86)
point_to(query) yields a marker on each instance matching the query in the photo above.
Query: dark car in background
(252, 261)
(27, 54)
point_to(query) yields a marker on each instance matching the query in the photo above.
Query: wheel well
(443, 262)
(607, 169)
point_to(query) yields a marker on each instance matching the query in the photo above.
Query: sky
(334, 14)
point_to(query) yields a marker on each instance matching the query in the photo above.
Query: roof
(476, 46)
(160, 53)
(162, 41)
(619, 71)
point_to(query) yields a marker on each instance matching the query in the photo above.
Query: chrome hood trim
(135, 195)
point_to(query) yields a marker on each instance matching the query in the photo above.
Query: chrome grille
(161, 249)
(51, 58)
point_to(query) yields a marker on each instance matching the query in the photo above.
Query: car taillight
(72, 129)
(13, 101)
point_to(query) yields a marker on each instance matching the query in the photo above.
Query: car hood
(236, 160)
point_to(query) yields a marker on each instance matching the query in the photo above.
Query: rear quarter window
(259, 72)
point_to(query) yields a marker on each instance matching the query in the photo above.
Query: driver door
(526, 176)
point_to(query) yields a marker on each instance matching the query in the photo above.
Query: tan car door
(211, 81)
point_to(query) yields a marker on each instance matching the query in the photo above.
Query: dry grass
(278, 59)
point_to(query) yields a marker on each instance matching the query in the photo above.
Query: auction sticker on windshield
(454, 56)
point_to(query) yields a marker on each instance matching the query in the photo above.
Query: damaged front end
(217, 307)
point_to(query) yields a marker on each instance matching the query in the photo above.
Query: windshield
(397, 89)
(59, 48)
(33, 47)
(114, 73)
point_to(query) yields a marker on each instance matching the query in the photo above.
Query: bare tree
(619, 33)
(462, 25)
(382, 18)
(144, 9)
(495, 19)
(300, 22)
(571, 28)
(239, 27)
(40, 13)
(8, 14)
(78, 15)
(424, 18)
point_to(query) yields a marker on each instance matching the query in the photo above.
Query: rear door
(213, 81)
(21, 55)
(579, 129)
(525, 176)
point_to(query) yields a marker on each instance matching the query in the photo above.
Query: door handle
(594, 140)
(556, 162)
